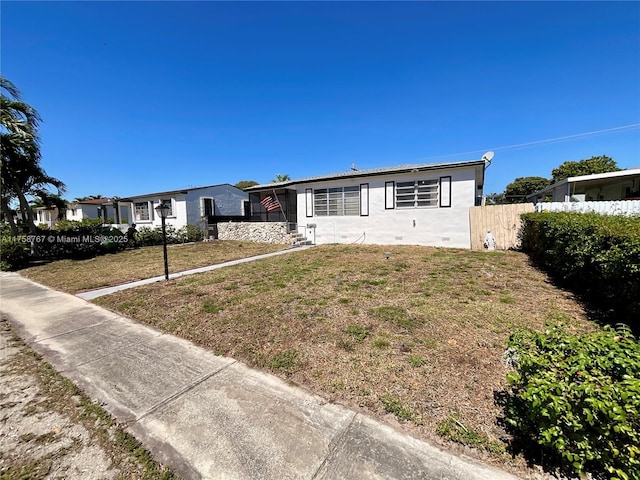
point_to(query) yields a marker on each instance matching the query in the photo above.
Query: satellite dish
(487, 157)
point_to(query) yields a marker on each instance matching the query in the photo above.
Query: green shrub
(69, 239)
(75, 225)
(77, 239)
(190, 233)
(578, 396)
(14, 253)
(597, 256)
(151, 236)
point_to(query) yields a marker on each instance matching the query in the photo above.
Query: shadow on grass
(602, 305)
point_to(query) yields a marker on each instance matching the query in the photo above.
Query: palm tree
(281, 178)
(88, 197)
(20, 169)
(48, 200)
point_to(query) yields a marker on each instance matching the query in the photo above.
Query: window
(364, 199)
(445, 191)
(308, 198)
(141, 211)
(168, 203)
(419, 193)
(337, 201)
(389, 188)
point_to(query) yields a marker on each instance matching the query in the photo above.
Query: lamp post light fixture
(163, 210)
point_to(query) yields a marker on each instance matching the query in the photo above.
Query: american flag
(270, 203)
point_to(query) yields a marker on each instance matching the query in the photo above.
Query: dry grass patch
(419, 336)
(75, 276)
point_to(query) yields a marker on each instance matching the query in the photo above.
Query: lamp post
(163, 210)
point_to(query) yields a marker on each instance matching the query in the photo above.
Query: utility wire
(541, 142)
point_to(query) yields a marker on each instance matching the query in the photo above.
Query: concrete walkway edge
(99, 292)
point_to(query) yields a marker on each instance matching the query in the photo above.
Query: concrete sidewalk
(212, 417)
(99, 292)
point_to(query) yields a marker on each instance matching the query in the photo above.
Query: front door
(208, 209)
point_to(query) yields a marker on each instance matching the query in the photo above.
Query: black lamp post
(163, 211)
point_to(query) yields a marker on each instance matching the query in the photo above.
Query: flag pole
(281, 209)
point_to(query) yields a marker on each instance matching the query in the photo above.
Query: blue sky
(151, 96)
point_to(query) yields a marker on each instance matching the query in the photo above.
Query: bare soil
(51, 430)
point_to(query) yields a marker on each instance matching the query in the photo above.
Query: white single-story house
(425, 204)
(199, 205)
(621, 185)
(46, 216)
(96, 208)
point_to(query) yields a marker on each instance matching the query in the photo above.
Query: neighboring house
(188, 206)
(426, 204)
(622, 185)
(96, 208)
(45, 216)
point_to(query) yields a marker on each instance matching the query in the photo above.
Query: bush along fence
(597, 256)
(578, 398)
(84, 239)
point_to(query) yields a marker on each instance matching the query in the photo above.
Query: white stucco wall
(227, 201)
(79, 211)
(188, 207)
(177, 220)
(73, 213)
(434, 226)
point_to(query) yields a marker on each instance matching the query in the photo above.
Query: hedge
(153, 236)
(597, 256)
(14, 253)
(578, 398)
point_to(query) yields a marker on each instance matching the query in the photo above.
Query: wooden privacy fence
(502, 220)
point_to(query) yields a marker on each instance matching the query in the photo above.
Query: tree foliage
(588, 166)
(281, 178)
(517, 190)
(22, 175)
(495, 198)
(89, 197)
(242, 184)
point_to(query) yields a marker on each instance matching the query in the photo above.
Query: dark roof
(170, 192)
(94, 201)
(369, 173)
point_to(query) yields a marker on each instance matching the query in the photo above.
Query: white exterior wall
(48, 217)
(434, 226)
(227, 201)
(88, 211)
(73, 213)
(177, 220)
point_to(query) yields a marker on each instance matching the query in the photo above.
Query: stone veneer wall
(263, 232)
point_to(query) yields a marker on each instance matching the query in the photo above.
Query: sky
(141, 97)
